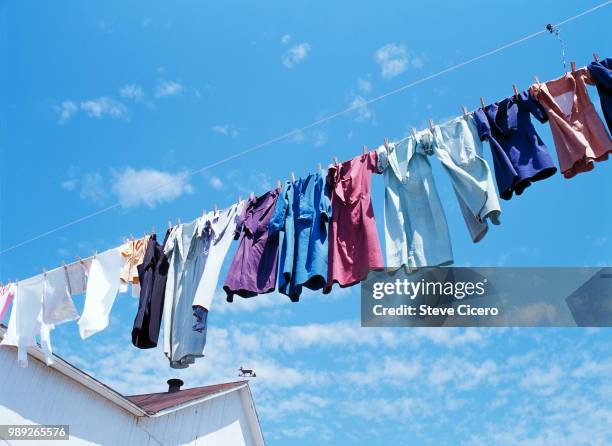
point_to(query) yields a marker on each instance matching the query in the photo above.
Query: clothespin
(319, 167)
(169, 224)
(278, 183)
(482, 102)
(365, 150)
(239, 198)
(386, 143)
(465, 111)
(95, 254)
(573, 65)
(536, 79)
(178, 221)
(596, 57)
(516, 92)
(414, 132)
(292, 177)
(80, 260)
(216, 208)
(132, 237)
(252, 195)
(64, 265)
(153, 230)
(335, 161)
(431, 126)
(44, 270)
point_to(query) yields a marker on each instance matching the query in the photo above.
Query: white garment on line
(102, 287)
(77, 276)
(26, 323)
(57, 305)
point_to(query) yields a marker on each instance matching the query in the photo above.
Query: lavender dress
(255, 264)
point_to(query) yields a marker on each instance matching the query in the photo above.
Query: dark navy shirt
(601, 72)
(519, 155)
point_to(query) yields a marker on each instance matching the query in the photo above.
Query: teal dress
(302, 213)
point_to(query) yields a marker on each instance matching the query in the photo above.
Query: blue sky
(101, 103)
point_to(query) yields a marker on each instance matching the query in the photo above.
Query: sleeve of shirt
(325, 203)
(536, 109)
(382, 158)
(277, 222)
(600, 74)
(482, 124)
(240, 220)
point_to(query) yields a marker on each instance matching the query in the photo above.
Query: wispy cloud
(168, 88)
(226, 130)
(361, 109)
(395, 58)
(65, 111)
(104, 106)
(296, 54)
(148, 187)
(216, 183)
(132, 91)
(364, 85)
(286, 39)
(92, 188)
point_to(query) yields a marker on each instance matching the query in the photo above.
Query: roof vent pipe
(174, 385)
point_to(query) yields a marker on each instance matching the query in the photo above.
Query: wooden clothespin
(414, 132)
(132, 237)
(169, 224)
(482, 102)
(365, 150)
(95, 254)
(465, 111)
(278, 184)
(335, 161)
(536, 79)
(596, 57)
(292, 177)
(516, 92)
(178, 221)
(44, 270)
(64, 265)
(573, 65)
(431, 126)
(252, 196)
(80, 260)
(319, 167)
(386, 143)
(153, 230)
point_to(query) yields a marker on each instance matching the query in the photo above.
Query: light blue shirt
(416, 231)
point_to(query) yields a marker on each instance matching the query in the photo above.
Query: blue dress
(519, 155)
(601, 72)
(302, 213)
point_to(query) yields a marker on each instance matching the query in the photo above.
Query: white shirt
(25, 323)
(57, 305)
(102, 288)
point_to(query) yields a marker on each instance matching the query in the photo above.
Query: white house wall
(41, 395)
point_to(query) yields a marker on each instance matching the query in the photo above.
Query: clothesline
(316, 123)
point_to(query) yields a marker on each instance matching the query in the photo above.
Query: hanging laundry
(218, 235)
(457, 145)
(186, 255)
(7, 292)
(354, 248)
(416, 232)
(601, 73)
(519, 155)
(77, 274)
(302, 212)
(133, 252)
(152, 276)
(102, 288)
(255, 264)
(25, 322)
(57, 304)
(580, 136)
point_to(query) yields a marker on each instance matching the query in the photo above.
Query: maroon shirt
(255, 264)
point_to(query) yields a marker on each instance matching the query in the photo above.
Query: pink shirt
(6, 297)
(353, 246)
(579, 134)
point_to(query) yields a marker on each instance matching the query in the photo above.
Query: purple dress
(519, 155)
(255, 264)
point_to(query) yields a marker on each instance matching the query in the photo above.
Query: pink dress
(354, 248)
(579, 134)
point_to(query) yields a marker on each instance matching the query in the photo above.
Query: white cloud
(394, 59)
(296, 54)
(66, 110)
(148, 187)
(364, 85)
(285, 39)
(68, 184)
(168, 88)
(216, 183)
(226, 130)
(92, 187)
(132, 91)
(360, 106)
(104, 106)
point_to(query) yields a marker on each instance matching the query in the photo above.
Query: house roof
(149, 405)
(154, 403)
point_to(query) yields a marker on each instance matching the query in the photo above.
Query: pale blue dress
(457, 145)
(416, 231)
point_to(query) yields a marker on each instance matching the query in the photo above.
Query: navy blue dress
(519, 155)
(601, 72)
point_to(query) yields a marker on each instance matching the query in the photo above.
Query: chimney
(174, 385)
